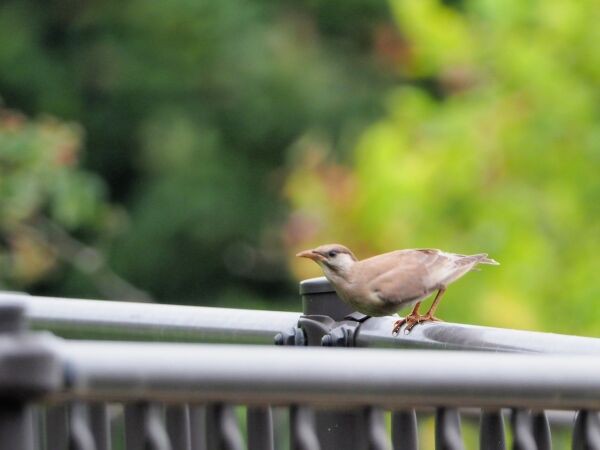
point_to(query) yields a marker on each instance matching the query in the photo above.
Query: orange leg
(415, 318)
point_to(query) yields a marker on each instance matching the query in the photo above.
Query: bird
(383, 284)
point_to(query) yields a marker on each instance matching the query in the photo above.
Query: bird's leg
(412, 317)
(429, 314)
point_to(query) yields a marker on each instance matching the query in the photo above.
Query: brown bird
(383, 284)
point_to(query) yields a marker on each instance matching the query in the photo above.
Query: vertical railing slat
(586, 433)
(378, 438)
(541, 431)
(16, 426)
(491, 431)
(37, 422)
(405, 432)
(522, 430)
(223, 430)
(259, 421)
(56, 427)
(144, 428)
(100, 425)
(178, 427)
(198, 427)
(303, 433)
(80, 435)
(447, 430)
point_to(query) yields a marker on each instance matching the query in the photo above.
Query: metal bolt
(295, 336)
(327, 341)
(279, 339)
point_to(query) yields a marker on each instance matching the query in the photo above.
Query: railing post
(223, 430)
(303, 435)
(144, 428)
(259, 421)
(57, 427)
(328, 321)
(541, 431)
(491, 431)
(80, 434)
(405, 433)
(100, 425)
(447, 430)
(586, 433)
(198, 426)
(178, 426)
(522, 430)
(28, 370)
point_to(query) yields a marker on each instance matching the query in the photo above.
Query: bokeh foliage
(188, 109)
(40, 184)
(493, 144)
(223, 136)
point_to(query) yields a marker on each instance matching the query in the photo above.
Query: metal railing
(58, 392)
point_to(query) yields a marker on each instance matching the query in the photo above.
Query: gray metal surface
(99, 319)
(328, 377)
(319, 297)
(93, 319)
(377, 332)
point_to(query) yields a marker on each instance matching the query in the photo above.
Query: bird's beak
(311, 254)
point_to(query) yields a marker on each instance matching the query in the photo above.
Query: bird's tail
(482, 258)
(473, 260)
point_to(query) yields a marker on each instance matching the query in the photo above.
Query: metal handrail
(115, 320)
(376, 332)
(107, 371)
(94, 319)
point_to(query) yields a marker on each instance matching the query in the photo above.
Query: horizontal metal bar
(99, 319)
(96, 319)
(327, 376)
(377, 332)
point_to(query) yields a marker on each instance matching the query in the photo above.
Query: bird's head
(333, 258)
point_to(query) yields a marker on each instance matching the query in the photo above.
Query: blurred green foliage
(189, 108)
(223, 136)
(39, 182)
(234, 133)
(492, 144)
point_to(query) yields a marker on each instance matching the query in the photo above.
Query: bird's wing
(405, 275)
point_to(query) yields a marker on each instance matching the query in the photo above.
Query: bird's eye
(332, 253)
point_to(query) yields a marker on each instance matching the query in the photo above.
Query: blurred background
(184, 151)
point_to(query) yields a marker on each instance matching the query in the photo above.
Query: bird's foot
(411, 321)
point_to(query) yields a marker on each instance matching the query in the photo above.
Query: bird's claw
(411, 321)
(397, 325)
